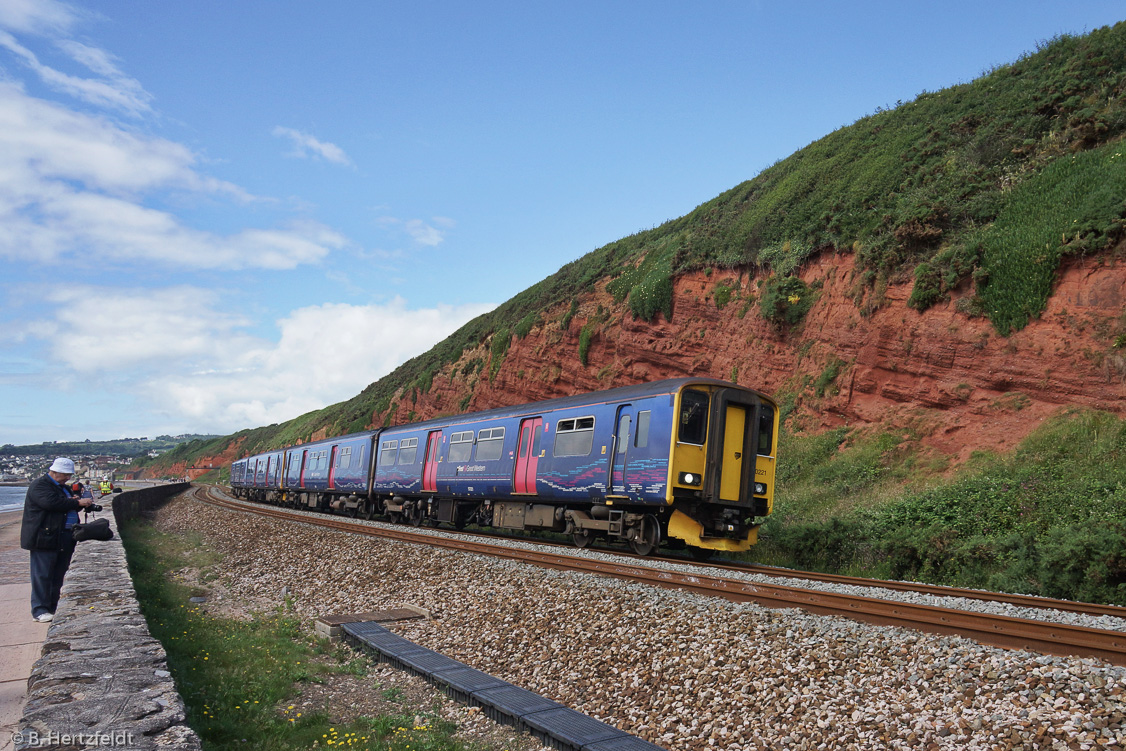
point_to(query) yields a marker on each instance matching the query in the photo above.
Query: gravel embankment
(682, 671)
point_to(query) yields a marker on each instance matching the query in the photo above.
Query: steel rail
(997, 630)
(937, 590)
(1027, 601)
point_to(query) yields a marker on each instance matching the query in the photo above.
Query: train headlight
(760, 488)
(691, 478)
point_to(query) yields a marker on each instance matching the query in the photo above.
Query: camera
(93, 507)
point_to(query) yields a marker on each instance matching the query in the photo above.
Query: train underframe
(702, 528)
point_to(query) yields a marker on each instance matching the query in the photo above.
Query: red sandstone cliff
(946, 377)
(943, 377)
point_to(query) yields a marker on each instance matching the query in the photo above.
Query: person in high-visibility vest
(106, 487)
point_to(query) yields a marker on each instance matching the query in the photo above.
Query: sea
(11, 497)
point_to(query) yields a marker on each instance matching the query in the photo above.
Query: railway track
(997, 630)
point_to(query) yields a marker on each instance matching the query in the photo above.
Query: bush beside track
(1048, 520)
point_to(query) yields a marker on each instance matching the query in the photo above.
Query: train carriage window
(693, 417)
(641, 437)
(766, 430)
(344, 459)
(408, 450)
(461, 446)
(623, 434)
(387, 457)
(574, 437)
(490, 444)
(525, 442)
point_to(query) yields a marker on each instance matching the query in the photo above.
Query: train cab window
(641, 437)
(408, 450)
(490, 443)
(461, 446)
(693, 417)
(387, 455)
(574, 437)
(766, 430)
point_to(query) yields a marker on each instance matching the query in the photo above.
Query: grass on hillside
(1049, 520)
(995, 180)
(235, 676)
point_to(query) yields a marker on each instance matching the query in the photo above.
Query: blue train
(689, 461)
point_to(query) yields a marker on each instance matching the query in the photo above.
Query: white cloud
(37, 16)
(199, 366)
(306, 146)
(73, 184)
(421, 232)
(116, 90)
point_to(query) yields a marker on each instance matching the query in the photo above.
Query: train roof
(621, 393)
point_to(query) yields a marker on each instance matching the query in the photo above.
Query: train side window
(623, 434)
(574, 437)
(408, 450)
(461, 446)
(490, 443)
(641, 437)
(693, 417)
(387, 458)
(766, 430)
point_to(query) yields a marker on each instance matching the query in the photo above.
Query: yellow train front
(721, 473)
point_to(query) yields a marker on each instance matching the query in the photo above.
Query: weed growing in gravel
(235, 675)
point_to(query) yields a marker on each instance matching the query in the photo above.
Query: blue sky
(216, 216)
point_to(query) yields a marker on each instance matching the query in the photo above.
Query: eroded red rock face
(943, 377)
(203, 465)
(946, 377)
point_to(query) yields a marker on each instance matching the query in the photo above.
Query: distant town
(17, 469)
(93, 460)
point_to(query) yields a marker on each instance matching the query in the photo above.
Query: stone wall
(103, 680)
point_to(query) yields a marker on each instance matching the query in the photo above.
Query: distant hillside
(973, 195)
(124, 447)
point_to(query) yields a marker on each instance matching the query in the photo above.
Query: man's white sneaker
(45, 617)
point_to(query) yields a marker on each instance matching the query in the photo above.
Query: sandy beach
(13, 561)
(10, 529)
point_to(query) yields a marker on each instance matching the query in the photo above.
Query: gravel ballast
(682, 671)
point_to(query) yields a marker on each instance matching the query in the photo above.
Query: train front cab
(721, 473)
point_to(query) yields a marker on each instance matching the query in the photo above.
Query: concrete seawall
(103, 680)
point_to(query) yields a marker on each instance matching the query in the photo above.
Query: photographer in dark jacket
(44, 532)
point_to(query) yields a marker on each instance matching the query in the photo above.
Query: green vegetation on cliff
(993, 181)
(987, 186)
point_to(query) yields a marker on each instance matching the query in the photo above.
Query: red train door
(332, 468)
(430, 469)
(620, 455)
(304, 461)
(527, 456)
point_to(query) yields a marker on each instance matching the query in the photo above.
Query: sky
(217, 216)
